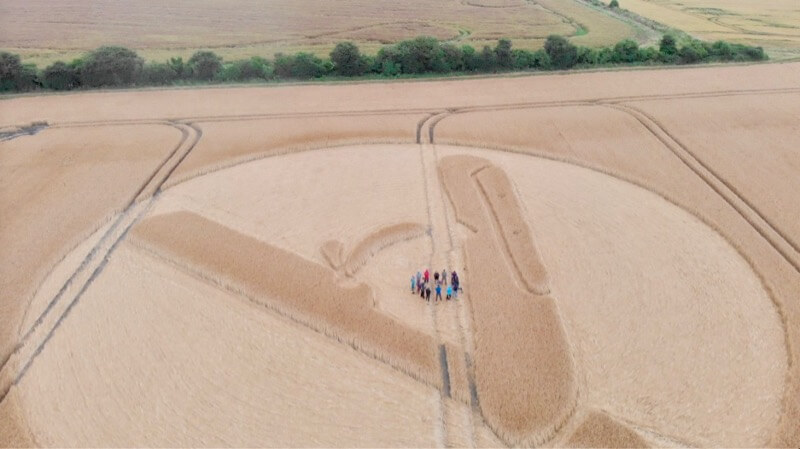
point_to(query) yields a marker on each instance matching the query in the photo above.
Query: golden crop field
(43, 31)
(772, 24)
(232, 266)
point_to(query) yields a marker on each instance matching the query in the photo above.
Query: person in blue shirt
(413, 284)
(449, 292)
(438, 292)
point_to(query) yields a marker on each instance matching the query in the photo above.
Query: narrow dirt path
(450, 317)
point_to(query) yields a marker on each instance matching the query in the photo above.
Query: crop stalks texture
(307, 290)
(527, 390)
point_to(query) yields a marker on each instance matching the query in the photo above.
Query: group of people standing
(421, 285)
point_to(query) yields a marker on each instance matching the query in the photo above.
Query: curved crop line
(420, 124)
(433, 122)
(633, 111)
(708, 180)
(529, 153)
(465, 171)
(157, 183)
(93, 251)
(783, 318)
(644, 123)
(378, 240)
(536, 282)
(478, 5)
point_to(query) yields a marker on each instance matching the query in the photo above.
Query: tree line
(122, 67)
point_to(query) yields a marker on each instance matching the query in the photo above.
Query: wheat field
(231, 266)
(245, 28)
(774, 24)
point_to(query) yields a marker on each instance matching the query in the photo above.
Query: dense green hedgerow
(122, 67)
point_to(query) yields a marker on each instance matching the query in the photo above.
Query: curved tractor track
(489, 210)
(34, 339)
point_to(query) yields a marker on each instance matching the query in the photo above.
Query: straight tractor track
(34, 340)
(442, 434)
(463, 314)
(716, 181)
(453, 109)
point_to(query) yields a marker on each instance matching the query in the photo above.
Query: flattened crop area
(235, 271)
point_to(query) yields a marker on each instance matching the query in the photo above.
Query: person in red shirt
(427, 276)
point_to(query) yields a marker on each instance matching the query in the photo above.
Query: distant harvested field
(43, 32)
(232, 266)
(773, 24)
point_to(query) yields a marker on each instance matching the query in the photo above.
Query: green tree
(283, 65)
(230, 72)
(245, 70)
(204, 65)
(649, 54)
(754, 53)
(613, 4)
(29, 78)
(179, 67)
(10, 71)
(420, 55)
(257, 67)
(693, 52)
(626, 51)
(347, 60)
(61, 76)
(588, 56)
(605, 56)
(487, 60)
(523, 59)
(471, 62)
(722, 50)
(387, 62)
(307, 66)
(299, 66)
(502, 51)
(453, 58)
(391, 68)
(541, 60)
(158, 74)
(668, 48)
(562, 53)
(110, 66)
